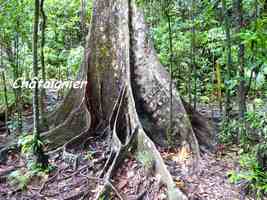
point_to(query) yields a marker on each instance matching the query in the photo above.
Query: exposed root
(48, 181)
(76, 123)
(139, 138)
(146, 145)
(10, 146)
(108, 186)
(71, 102)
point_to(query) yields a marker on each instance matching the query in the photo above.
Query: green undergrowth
(29, 144)
(251, 136)
(252, 175)
(145, 159)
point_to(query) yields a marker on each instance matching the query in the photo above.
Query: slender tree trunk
(171, 69)
(41, 158)
(43, 92)
(83, 21)
(5, 97)
(189, 84)
(241, 56)
(36, 122)
(59, 93)
(18, 91)
(254, 48)
(219, 84)
(228, 45)
(5, 89)
(193, 51)
(5, 92)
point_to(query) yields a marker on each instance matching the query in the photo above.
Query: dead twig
(48, 181)
(92, 178)
(74, 173)
(115, 190)
(58, 150)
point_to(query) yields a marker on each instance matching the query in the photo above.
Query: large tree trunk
(128, 92)
(118, 39)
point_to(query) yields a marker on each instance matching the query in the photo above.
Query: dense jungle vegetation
(215, 53)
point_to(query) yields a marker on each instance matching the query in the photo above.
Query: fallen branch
(48, 181)
(115, 190)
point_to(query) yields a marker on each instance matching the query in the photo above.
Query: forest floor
(133, 180)
(210, 182)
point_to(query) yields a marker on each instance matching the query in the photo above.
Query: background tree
(37, 146)
(42, 58)
(241, 55)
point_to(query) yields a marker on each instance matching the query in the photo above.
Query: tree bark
(171, 65)
(43, 92)
(193, 51)
(35, 102)
(38, 152)
(83, 20)
(5, 98)
(5, 90)
(16, 74)
(228, 45)
(241, 60)
(106, 57)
